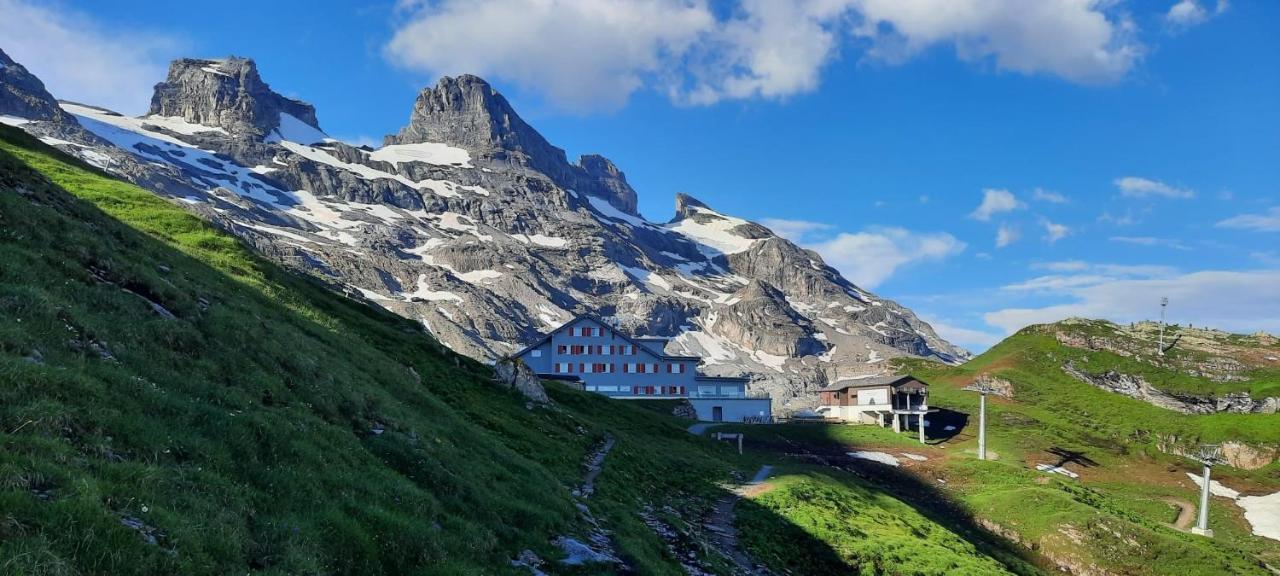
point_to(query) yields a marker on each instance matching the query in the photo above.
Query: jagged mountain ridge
(471, 222)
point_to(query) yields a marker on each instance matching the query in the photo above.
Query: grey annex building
(614, 364)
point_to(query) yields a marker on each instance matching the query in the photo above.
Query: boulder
(513, 373)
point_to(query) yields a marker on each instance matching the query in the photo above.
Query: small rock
(34, 357)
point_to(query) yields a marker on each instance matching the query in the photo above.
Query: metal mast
(982, 388)
(1207, 455)
(1164, 303)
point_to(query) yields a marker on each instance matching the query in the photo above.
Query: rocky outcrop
(997, 385)
(1137, 387)
(226, 93)
(761, 319)
(514, 374)
(22, 95)
(1235, 454)
(465, 111)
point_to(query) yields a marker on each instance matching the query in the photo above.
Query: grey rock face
(490, 253)
(467, 112)
(24, 96)
(226, 93)
(1137, 387)
(761, 319)
(516, 375)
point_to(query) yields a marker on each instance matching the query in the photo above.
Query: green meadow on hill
(172, 403)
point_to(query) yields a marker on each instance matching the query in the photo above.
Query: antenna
(1164, 303)
(1208, 455)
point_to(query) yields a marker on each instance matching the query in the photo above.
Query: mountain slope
(1123, 496)
(470, 222)
(172, 403)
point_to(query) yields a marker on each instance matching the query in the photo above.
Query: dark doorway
(717, 414)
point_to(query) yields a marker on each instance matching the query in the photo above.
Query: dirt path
(594, 464)
(1186, 512)
(701, 427)
(721, 524)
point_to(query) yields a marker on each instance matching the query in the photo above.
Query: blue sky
(988, 163)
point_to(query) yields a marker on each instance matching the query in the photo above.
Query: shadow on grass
(944, 425)
(926, 498)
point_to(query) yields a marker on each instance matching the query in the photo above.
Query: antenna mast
(1164, 303)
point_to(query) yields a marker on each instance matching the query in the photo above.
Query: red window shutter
(668, 368)
(557, 367)
(580, 367)
(650, 390)
(569, 368)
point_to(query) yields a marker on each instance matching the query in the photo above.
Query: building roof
(637, 341)
(903, 382)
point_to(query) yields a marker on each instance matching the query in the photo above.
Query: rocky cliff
(470, 222)
(227, 94)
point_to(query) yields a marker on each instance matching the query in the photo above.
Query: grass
(867, 531)
(270, 425)
(264, 424)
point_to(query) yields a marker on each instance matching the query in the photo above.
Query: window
(680, 368)
(580, 368)
(653, 368)
(631, 350)
(599, 368)
(586, 332)
(640, 368)
(571, 329)
(561, 349)
(536, 353)
(575, 349)
(669, 368)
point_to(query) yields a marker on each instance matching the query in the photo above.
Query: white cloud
(1244, 301)
(1266, 222)
(1054, 232)
(1188, 13)
(794, 230)
(593, 54)
(1136, 187)
(870, 257)
(583, 54)
(969, 338)
(1076, 39)
(78, 59)
(771, 49)
(1127, 219)
(995, 201)
(1007, 235)
(1151, 241)
(1042, 195)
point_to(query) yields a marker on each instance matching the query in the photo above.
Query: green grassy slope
(262, 423)
(269, 424)
(1116, 516)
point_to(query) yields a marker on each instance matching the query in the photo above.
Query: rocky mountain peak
(467, 112)
(227, 93)
(687, 206)
(24, 96)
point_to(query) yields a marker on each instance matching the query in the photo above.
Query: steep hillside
(171, 403)
(1124, 449)
(1117, 499)
(471, 223)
